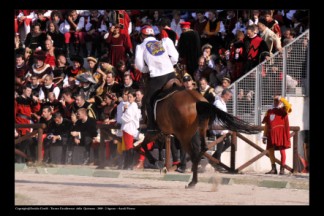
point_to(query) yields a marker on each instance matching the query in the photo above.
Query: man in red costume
(276, 131)
(25, 105)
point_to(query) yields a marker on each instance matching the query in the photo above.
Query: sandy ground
(40, 189)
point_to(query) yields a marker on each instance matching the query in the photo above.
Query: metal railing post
(284, 70)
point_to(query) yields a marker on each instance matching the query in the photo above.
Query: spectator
(73, 30)
(109, 85)
(277, 132)
(226, 82)
(40, 68)
(189, 48)
(130, 124)
(93, 33)
(80, 102)
(289, 36)
(84, 131)
(60, 70)
(220, 103)
(67, 103)
(237, 56)
(20, 72)
(272, 40)
(206, 90)
(47, 119)
(55, 36)
(175, 23)
(128, 82)
(200, 23)
(74, 70)
(24, 106)
(255, 47)
(213, 31)
(60, 135)
(119, 46)
(271, 23)
(49, 86)
(209, 57)
(188, 82)
(203, 70)
(255, 18)
(88, 86)
(109, 108)
(139, 97)
(35, 38)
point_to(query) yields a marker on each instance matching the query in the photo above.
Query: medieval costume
(277, 132)
(189, 48)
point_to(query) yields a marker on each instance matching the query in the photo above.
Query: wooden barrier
(40, 128)
(105, 130)
(234, 135)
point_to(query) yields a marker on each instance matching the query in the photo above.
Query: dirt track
(39, 189)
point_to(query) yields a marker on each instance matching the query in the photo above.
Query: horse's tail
(206, 110)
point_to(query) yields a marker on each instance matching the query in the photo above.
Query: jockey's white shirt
(155, 57)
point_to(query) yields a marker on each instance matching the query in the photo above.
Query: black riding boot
(273, 170)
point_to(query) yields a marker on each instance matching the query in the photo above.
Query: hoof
(164, 170)
(190, 185)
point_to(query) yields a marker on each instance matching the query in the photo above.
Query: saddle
(172, 83)
(172, 86)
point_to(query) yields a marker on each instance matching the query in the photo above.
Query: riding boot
(69, 157)
(86, 158)
(151, 125)
(282, 170)
(273, 170)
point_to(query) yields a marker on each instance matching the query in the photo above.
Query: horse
(186, 113)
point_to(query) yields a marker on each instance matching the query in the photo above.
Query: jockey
(156, 58)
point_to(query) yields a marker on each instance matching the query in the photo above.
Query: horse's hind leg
(195, 158)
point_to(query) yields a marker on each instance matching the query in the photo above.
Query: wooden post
(295, 151)
(168, 152)
(233, 150)
(40, 145)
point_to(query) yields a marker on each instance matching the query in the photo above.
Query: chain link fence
(286, 73)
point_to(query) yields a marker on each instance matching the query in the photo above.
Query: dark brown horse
(186, 113)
